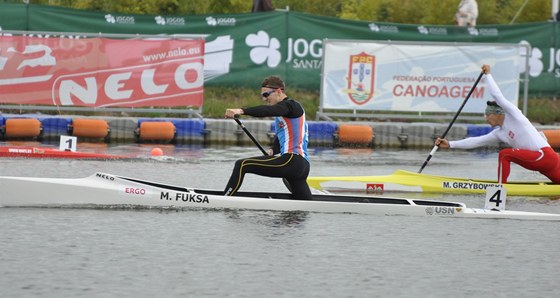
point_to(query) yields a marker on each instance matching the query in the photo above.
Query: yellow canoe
(402, 180)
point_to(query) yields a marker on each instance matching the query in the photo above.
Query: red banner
(100, 72)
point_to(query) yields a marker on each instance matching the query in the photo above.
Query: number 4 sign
(495, 198)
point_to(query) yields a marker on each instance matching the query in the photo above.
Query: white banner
(414, 77)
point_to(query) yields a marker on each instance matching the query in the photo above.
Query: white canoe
(102, 189)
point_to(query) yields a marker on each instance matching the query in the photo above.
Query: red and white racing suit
(529, 148)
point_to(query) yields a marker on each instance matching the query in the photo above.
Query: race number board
(68, 143)
(495, 198)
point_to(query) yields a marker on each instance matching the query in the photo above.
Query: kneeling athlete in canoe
(290, 142)
(529, 148)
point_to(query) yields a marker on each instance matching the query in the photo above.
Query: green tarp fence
(244, 48)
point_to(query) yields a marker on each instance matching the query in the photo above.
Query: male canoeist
(290, 142)
(529, 148)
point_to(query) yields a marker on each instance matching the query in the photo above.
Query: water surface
(123, 252)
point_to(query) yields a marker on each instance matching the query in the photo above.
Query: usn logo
(443, 210)
(360, 79)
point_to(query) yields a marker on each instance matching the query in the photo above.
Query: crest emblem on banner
(361, 75)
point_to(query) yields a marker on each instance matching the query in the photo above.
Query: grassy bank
(218, 99)
(544, 111)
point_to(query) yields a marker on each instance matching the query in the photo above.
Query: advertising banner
(243, 48)
(13, 16)
(101, 72)
(414, 77)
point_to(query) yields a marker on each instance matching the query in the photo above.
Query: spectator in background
(262, 5)
(467, 13)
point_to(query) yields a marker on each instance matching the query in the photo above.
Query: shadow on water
(273, 219)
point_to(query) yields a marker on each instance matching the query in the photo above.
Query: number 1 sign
(68, 143)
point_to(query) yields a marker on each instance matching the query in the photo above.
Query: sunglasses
(267, 93)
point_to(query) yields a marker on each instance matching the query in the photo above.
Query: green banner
(13, 16)
(241, 49)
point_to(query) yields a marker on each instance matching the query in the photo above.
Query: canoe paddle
(451, 124)
(236, 118)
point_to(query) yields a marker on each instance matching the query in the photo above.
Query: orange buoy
(553, 137)
(90, 128)
(22, 128)
(156, 152)
(156, 131)
(355, 134)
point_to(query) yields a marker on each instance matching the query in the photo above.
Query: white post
(555, 5)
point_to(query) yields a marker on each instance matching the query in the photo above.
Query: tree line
(434, 12)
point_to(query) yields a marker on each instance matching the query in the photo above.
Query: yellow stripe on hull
(434, 184)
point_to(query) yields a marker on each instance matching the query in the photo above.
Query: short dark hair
(273, 82)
